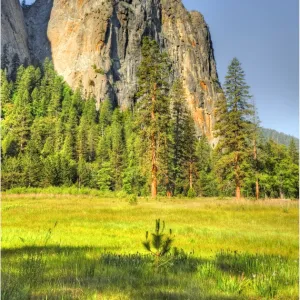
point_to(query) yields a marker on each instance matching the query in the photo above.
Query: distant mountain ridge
(279, 137)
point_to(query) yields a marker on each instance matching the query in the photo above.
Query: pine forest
(54, 136)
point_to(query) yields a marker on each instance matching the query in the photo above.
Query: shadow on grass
(54, 249)
(55, 272)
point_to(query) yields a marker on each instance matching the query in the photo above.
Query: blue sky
(263, 35)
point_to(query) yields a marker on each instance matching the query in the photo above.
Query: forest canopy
(53, 136)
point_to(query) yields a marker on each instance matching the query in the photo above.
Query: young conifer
(160, 243)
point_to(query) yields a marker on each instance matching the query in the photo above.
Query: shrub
(98, 70)
(91, 82)
(191, 193)
(132, 199)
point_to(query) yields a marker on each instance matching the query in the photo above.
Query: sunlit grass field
(89, 246)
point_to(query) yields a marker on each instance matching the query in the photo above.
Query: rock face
(96, 45)
(36, 18)
(14, 46)
(188, 43)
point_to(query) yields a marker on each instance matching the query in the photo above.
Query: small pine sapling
(160, 244)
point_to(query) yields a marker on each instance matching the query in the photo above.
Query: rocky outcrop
(96, 45)
(37, 18)
(188, 43)
(14, 46)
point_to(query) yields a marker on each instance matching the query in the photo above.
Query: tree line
(53, 136)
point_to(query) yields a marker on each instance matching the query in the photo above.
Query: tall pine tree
(234, 129)
(152, 111)
(184, 138)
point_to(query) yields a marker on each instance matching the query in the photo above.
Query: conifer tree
(91, 115)
(117, 151)
(52, 170)
(32, 166)
(56, 97)
(105, 117)
(11, 173)
(104, 174)
(293, 152)
(160, 243)
(6, 94)
(279, 176)
(184, 140)
(82, 151)
(255, 140)
(206, 183)
(70, 132)
(15, 63)
(4, 58)
(59, 135)
(152, 111)
(20, 118)
(132, 179)
(234, 129)
(84, 174)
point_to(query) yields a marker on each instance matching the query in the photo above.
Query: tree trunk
(154, 167)
(190, 176)
(153, 149)
(255, 162)
(257, 189)
(281, 193)
(238, 192)
(154, 183)
(237, 178)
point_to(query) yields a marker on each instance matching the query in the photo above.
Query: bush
(132, 199)
(191, 193)
(98, 70)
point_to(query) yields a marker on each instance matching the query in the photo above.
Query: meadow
(88, 245)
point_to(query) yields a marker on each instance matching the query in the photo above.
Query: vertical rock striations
(188, 43)
(96, 45)
(14, 47)
(37, 17)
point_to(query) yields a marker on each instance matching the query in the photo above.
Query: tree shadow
(59, 272)
(236, 263)
(54, 249)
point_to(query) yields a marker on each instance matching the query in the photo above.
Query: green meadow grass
(89, 246)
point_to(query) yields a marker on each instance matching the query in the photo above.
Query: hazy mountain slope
(279, 137)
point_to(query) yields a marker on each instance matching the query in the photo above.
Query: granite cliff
(96, 44)
(14, 40)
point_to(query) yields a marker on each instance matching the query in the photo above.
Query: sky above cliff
(263, 35)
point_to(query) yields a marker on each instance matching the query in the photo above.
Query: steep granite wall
(14, 47)
(96, 45)
(188, 43)
(36, 18)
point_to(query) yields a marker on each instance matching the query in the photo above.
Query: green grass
(89, 246)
